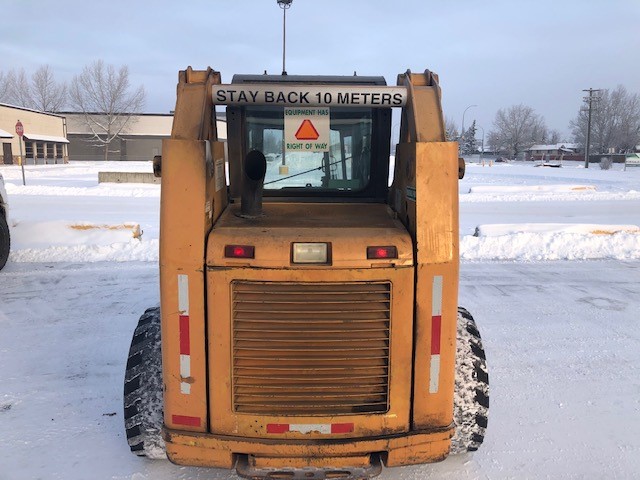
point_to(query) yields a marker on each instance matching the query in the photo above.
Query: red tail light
(239, 251)
(382, 252)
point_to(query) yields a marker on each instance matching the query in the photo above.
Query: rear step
(246, 470)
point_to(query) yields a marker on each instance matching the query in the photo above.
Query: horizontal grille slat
(333, 381)
(304, 387)
(309, 348)
(334, 401)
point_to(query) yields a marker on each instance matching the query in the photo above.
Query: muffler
(254, 169)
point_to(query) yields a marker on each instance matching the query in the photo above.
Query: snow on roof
(45, 138)
(5, 134)
(556, 146)
(17, 107)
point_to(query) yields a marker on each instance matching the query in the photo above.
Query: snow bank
(522, 194)
(61, 233)
(529, 246)
(59, 195)
(551, 241)
(133, 250)
(103, 190)
(531, 188)
(496, 230)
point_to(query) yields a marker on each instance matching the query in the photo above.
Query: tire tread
(471, 397)
(142, 402)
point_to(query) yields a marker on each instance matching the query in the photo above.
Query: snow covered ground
(552, 278)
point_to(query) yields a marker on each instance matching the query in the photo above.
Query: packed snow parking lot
(550, 270)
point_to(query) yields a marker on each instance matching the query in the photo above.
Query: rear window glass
(344, 163)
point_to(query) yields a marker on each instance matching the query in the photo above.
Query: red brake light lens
(239, 251)
(382, 252)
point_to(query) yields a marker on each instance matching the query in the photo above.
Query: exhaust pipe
(255, 167)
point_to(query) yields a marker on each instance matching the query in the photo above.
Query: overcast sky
(493, 54)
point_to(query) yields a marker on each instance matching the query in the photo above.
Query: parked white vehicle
(5, 239)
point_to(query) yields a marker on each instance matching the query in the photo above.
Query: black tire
(471, 397)
(143, 402)
(5, 239)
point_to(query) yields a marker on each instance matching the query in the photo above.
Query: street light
(482, 147)
(465, 111)
(284, 5)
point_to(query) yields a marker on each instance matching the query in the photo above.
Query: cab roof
(313, 79)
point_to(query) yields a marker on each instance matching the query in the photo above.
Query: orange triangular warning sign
(307, 131)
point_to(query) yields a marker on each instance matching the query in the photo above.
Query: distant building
(487, 151)
(140, 140)
(44, 140)
(557, 151)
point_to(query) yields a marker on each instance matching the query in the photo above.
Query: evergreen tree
(470, 144)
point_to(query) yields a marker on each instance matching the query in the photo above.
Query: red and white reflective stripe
(436, 328)
(324, 428)
(185, 420)
(185, 349)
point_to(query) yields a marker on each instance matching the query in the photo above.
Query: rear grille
(310, 348)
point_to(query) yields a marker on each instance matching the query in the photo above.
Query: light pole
(284, 5)
(482, 147)
(589, 99)
(465, 111)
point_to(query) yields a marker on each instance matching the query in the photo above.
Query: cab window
(345, 166)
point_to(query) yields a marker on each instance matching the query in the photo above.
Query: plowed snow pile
(586, 201)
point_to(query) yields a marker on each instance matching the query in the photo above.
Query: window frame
(375, 191)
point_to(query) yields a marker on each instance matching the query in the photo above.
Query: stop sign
(19, 128)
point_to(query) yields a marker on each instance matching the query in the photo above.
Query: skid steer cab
(309, 324)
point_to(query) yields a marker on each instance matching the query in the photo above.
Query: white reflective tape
(435, 374)
(185, 372)
(183, 294)
(183, 307)
(185, 366)
(310, 427)
(436, 299)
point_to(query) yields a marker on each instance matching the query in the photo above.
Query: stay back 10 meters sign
(306, 129)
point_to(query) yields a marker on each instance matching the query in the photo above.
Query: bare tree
(615, 122)
(107, 101)
(451, 130)
(4, 87)
(554, 136)
(47, 94)
(515, 129)
(20, 89)
(42, 92)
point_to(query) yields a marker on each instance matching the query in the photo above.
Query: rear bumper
(207, 450)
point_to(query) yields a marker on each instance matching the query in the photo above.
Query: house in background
(44, 139)
(557, 151)
(60, 137)
(141, 139)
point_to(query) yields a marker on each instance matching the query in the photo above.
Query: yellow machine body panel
(315, 342)
(308, 365)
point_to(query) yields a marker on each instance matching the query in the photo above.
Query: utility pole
(589, 100)
(482, 145)
(284, 5)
